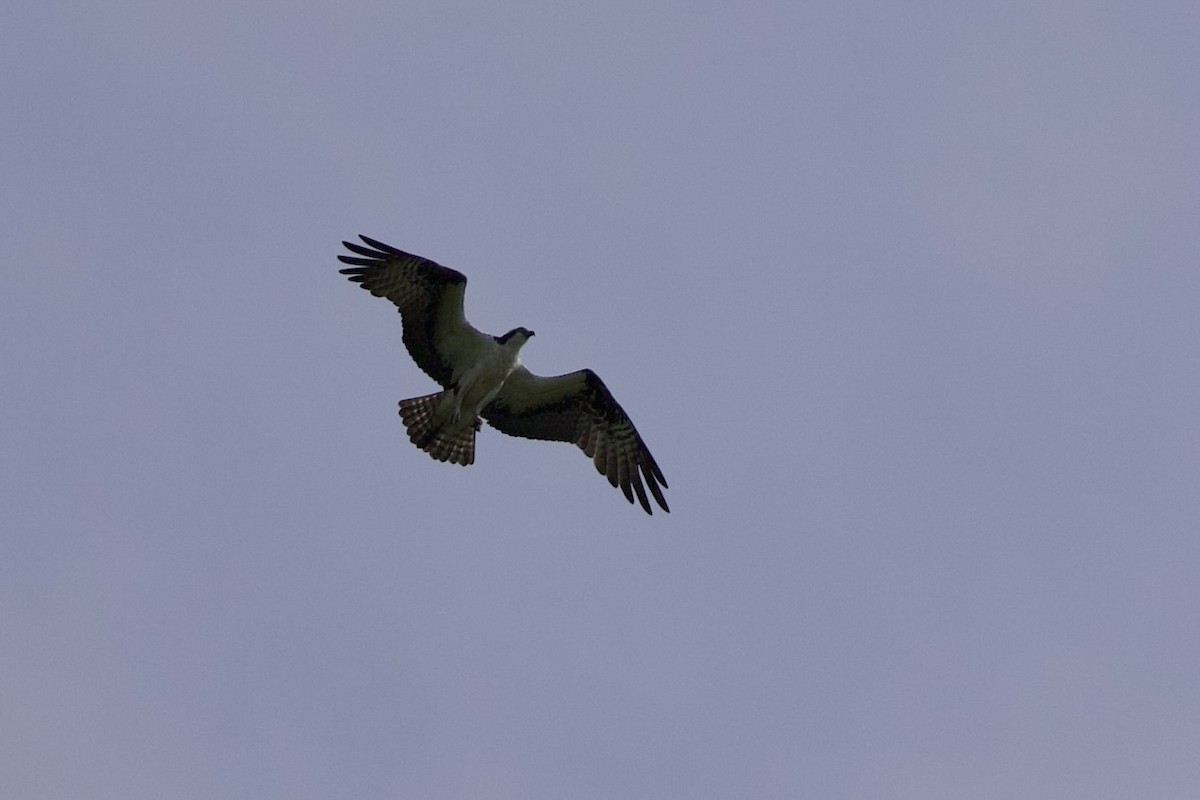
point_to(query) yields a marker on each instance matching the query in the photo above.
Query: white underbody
(461, 405)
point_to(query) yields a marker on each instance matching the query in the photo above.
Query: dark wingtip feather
(658, 495)
(377, 255)
(386, 248)
(641, 495)
(658, 474)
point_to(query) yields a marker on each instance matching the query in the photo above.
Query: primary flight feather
(482, 378)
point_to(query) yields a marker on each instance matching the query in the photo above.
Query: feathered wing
(428, 295)
(579, 408)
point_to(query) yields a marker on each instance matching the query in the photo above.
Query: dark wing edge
(578, 408)
(417, 287)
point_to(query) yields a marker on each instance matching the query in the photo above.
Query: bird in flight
(483, 378)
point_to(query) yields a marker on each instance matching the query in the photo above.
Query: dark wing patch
(579, 408)
(428, 295)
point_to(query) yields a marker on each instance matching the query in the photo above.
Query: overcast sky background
(904, 298)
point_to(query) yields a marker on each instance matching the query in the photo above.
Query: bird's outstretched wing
(429, 296)
(579, 408)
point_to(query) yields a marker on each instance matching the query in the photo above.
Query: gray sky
(903, 297)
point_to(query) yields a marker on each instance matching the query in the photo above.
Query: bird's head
(517, 337)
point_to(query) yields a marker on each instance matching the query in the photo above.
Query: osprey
(483, 377)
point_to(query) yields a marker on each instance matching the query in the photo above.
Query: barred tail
(457, 447)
